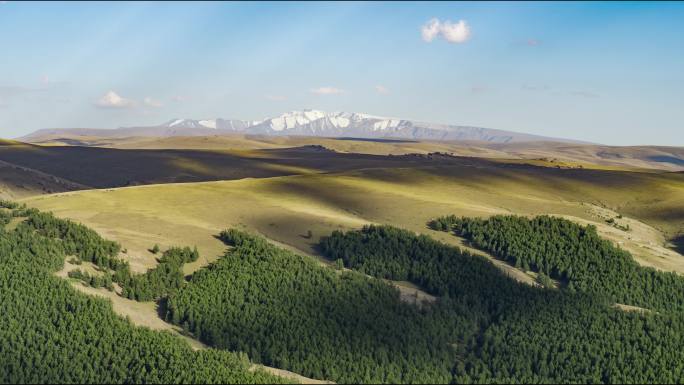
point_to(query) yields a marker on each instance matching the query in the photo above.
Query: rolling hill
(286, 208)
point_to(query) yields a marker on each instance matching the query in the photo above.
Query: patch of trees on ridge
(288, 311)
(50, 333)
(573, 254)
(87, 245)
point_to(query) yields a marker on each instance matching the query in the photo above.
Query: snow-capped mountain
(188, 123)
(347, 124)
(314, 123)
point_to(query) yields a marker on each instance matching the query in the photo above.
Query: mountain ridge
(312, 123)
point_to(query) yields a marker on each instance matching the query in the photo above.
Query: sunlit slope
(297, 210)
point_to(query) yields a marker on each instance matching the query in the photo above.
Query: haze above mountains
(311, 123)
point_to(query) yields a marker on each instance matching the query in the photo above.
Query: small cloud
(533, 42)
(456, 33)
(585, 94)
(276, 98)
(179, 98)
(430, 30)
(326, 91)
(381, 90)
(149, 102)
(112, 100)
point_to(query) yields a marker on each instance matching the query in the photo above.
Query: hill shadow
(678, 243)
(667, 159)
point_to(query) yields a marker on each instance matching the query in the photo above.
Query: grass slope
(287, 208)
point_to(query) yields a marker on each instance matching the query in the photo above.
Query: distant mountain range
(310, 123)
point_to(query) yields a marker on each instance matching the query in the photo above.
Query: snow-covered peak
(208, 123)
(175, 122)
(292, 119)
(296, 119)
(300, 122)
(190, 123)
(313, 120)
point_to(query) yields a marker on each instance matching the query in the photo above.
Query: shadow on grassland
(678, 243)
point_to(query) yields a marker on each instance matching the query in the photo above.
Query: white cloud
(179, 98)
(149, 102)
(112, 100)
(381, 89)
(430, 30)
(456, 33)
(326, 91)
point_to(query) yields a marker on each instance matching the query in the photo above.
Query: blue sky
(603, 72)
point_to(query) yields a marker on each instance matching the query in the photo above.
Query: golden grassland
(287, 208)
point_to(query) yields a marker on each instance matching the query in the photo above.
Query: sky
(610, 73)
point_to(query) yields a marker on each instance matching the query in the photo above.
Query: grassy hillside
(286, 209)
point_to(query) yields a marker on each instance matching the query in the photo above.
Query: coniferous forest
(528, 334)
(269, 305)
(50, 333)
(572, 254)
